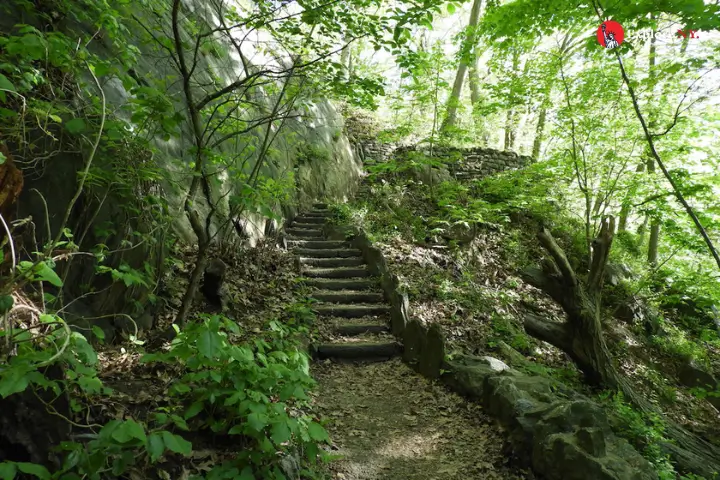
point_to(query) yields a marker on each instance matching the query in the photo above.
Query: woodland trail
(386, 422)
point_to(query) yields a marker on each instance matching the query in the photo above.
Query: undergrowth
(403, 208)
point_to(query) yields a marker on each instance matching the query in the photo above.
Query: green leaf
(15, 382)
(451, 8)
(155, 447)
(34, 469)
(246, 474)
(47, 274)
(7, 471)
(5, 84)
(280, 433)
(75, 126)
(208, 343)
(317, 432)
(129, 430)
(2, 157)
(6, 302)
(194, 409)
(98, 332)
(176, 443)
(257, 421)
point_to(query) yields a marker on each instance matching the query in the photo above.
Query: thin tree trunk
(539, 133)
(510, 115)
(199, 176)
(467, 49)
(625, 209)
(345, 58)
(655, 222)
(474, 79)
(581, 337)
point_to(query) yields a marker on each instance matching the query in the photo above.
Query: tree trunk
(625, 208)
(474, 78)
(193, 286)
(467, 49)
(345, 58)
(510, 115)
(539, 133)
(199, 178)
(655, 222)
(509, 132)
(581, 337)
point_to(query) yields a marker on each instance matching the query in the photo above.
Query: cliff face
(309, 158)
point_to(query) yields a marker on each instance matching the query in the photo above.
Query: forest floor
(385, 421)
(388, 423)
(482, 316)
(475, 293)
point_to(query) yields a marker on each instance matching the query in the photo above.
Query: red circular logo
(610, 34)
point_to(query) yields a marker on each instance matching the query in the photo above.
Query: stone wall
(374, 151)
(362, 130)
(473, 162)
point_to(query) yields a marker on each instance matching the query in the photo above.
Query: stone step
(307, 226)
(350, 311)
(363, 352)
(333, 262)
(339, 272)
(302, 219)
(358, 327)
(328, 253)
(342, 283)
(318, 214)
(320, 206)
(318, 244)
(352, 296)
(304, 233)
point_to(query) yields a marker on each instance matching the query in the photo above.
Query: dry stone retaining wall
(474, 161)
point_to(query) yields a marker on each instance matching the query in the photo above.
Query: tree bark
(474, 80)
(625, 208)
(467, 49)
(510, 123)
(655, 222)
(199, 174)
(539, 133)
(345, 58)
(581, 337)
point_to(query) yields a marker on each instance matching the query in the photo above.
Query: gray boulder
(433, 355)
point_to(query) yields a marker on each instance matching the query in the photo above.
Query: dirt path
(389, 423)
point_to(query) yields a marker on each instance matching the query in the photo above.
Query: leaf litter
(388, 423)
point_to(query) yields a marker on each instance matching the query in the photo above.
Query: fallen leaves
(390, 423)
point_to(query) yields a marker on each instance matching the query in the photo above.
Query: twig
(47, 214)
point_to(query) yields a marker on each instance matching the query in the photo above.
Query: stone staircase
(352, 312)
